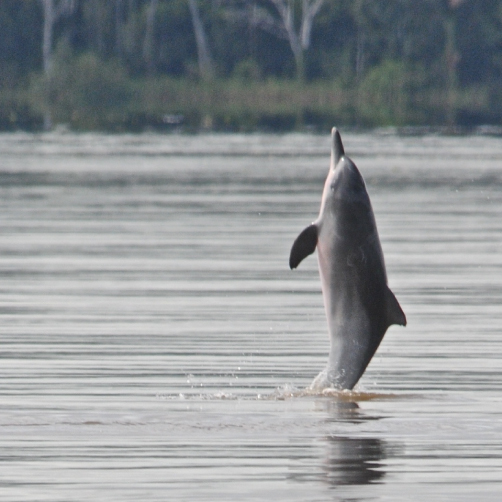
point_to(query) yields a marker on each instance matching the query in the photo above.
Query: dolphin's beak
(337, 151)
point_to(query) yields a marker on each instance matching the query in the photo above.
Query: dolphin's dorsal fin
(304, 245)
(337, 151)
(395, 314)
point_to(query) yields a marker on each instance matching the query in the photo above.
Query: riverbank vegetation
(249, 64)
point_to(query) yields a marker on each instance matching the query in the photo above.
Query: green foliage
(247, 70)
(84, 92)
(247, 105)
(369, 63)
(384, 95)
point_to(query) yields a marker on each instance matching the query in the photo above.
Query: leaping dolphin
(359, 305)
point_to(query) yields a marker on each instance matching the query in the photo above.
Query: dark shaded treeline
(243, 64)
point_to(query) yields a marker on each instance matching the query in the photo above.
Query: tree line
(245, 64)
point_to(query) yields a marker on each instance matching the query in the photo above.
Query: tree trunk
(360, 59)
(118, 27)
(310, 8)
(49, 20)
(148, 43)
(52, 11)
(451, 59)
(299, 42)
(206, 69)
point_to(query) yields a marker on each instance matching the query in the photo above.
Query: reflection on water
(345, 460)
(156, 346)
(354, 461)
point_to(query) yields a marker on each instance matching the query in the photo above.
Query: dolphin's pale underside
(359, 305)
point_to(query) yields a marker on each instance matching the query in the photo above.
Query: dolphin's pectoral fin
(395, 314)
(304, 245)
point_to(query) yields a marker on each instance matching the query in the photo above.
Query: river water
(154, 344)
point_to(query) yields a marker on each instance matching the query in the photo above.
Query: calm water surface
(155, 346)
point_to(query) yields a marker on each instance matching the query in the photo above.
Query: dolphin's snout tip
(337, 150)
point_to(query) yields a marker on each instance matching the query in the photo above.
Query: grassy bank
(90, 95)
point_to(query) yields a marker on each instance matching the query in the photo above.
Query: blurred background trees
(245, 64)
